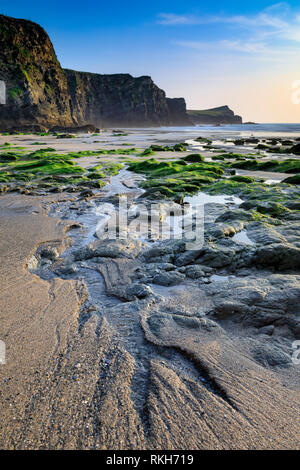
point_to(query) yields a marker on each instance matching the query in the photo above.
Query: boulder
(168, 278)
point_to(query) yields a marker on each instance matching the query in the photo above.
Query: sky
(243, 54)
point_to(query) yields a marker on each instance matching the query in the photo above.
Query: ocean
(242, 130)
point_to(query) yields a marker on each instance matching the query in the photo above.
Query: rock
(156, 252)
(137, 291)
(194, 272)
(157, 322)
(219, 230)
(279, 255)
(194, 158)
(109, 249)
(270, 355)
(188, 257)
(295, 179)
(295, 149)
(205, 269)
(155, 267)
(293, 205)
(120, 99)
(217, 257)
(267, 330)
(65, 269)
(86, 129)
(265, 235)
(227, 309)
(32, 263)
(274, 209)
(187, 322)
(86, 193)
(49, 253)
(237, 214)
(168, 278)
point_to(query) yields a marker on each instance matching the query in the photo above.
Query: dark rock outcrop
(36, 85)
(122, 100)
(220, 115)
(178, 115)
(85, 129)
(40, 94)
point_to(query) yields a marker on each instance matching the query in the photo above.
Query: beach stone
(157, 252)
(32, 263)
(217, 257)
(194, 272)
(293, 205)
(49, 253)
(237, 214)
(137, 290)
(295, 149)
(86, 193)
(265, 235)
(270, 355)
(69, 268)
(168, 278)
(267, 330)
(281, 256)
(229, 308)
(160, 266)
(109, 249)
(186, 322)
(188, 257)
(205, 269)
(220, 230)
(158, 322)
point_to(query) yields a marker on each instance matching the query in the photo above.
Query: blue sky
(246, 55)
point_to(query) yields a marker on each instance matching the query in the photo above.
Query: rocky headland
(214, 116)
(40, 94)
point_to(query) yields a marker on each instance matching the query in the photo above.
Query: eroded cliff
(36, 85)
(122, 100)
(41, 94)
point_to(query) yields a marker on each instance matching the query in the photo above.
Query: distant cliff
(121, 100)
(220, 115)
(40, 93)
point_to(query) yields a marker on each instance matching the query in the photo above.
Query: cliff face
(177, 112)
(121, 100)
(36, 86)
(40, 93)
(220, 115)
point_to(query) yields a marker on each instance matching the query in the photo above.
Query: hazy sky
(246, 55)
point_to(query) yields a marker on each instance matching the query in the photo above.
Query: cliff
(41, 94)
(220, 115)
(122, 100)
(36, 86)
